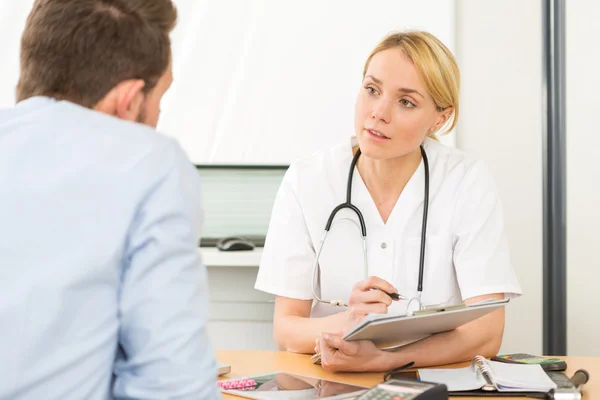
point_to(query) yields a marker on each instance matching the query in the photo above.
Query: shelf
(212, 257)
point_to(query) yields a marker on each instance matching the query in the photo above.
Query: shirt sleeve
(288, 255)
(163, 301)
(481, 254)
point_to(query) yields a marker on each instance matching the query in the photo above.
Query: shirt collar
(36, 101)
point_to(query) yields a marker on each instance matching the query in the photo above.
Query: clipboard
(391, 331)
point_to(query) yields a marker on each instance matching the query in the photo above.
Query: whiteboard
(268, 81)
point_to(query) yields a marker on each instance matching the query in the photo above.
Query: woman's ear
(443, 117)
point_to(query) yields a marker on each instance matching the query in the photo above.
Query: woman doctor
(406, 185)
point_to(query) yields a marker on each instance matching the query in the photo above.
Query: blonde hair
(436, 67)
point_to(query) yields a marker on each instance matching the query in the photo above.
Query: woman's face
(394, 112)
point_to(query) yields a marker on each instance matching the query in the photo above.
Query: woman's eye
(407, 104)
(371, 90)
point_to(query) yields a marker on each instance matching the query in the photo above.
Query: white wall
(583, 189)
(12, 21)
(499, 53)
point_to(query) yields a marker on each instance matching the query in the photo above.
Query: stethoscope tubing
(363, 229)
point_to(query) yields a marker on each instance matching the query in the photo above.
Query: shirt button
(383, 245)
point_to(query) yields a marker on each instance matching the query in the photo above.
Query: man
(102, 292)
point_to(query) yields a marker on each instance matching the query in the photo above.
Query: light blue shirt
(102, 291)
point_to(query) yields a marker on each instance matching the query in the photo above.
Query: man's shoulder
(130, 136)
(98, 145)
(85, 130)
(117, 145)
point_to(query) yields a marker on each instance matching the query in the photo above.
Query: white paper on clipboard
(390, 331)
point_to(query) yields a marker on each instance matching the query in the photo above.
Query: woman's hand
(357, 356)
(364, 299)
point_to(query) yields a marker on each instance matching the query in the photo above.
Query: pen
(394, 296)
(391, 373)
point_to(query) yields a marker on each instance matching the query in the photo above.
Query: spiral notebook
(491, 376)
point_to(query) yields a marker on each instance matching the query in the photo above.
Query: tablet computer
(284, 385)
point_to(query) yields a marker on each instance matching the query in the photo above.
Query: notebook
(491, 376)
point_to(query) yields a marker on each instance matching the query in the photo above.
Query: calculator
(547, 364)
(406, 389)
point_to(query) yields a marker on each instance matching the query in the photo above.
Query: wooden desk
(247, 362)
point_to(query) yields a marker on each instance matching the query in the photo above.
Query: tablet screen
(282, 385)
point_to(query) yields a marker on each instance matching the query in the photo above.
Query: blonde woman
(417, 220)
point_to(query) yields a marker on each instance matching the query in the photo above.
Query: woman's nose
(381, 112)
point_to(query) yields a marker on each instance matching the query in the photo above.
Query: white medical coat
(466, 249)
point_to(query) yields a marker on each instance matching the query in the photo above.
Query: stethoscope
(363, 230)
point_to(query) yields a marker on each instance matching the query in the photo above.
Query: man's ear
(124, 100)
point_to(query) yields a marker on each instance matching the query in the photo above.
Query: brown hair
(435, 64)
(78, 50)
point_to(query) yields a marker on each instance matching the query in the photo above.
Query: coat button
(383, 245)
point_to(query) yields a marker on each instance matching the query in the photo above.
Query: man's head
(110, 55)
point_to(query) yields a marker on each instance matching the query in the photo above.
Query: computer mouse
(235, 244)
